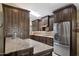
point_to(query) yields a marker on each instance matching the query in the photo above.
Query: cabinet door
(51, 21)
(44, 21)
(24, 24)
(35, 25)
(50, 41)
(21, 24)
(25, 52)
(10, 21)
(5, 21)
(27, 24)
(57, 17)
(66, 14)
(40, 25)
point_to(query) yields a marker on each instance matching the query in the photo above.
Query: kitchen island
(39, 49)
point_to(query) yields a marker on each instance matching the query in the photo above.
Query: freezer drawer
(61, 49)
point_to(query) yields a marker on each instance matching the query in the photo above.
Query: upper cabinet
(47, 23)
(43, 24)
(35, 25)
(51, 21)
(64, 13)
(16, 22)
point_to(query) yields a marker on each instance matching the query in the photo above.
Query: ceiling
(39, 10)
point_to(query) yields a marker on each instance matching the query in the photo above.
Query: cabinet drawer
(26, 52)
(45, 53)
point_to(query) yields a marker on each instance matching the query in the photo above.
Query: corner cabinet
(16, 21)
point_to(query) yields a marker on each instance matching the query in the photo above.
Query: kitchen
(52, 34)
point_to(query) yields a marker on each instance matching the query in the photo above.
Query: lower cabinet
(44, 53)
(42, 39)
(27, 53)
(24, 52)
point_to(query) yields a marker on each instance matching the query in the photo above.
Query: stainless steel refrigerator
(62, 38)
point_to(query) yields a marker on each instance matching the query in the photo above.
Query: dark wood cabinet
(24, 52)
(44, 53)
(46, 40)
(40, 24)
(44, 23)
(16, 21)
(44, 20)
(51, 21)
(64, 13)
(35, 25)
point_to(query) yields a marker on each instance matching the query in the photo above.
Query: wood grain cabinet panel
(43, 24)
(63, 15)
(24, 52)
(51, 21)
(16, 21)
(46, 40)
(35, 25)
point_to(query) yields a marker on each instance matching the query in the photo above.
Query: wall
(1, 30)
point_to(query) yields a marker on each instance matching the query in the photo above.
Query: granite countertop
(49, 34)
(19, 44)
(43, 36)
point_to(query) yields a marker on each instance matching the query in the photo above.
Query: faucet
(14, 35)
